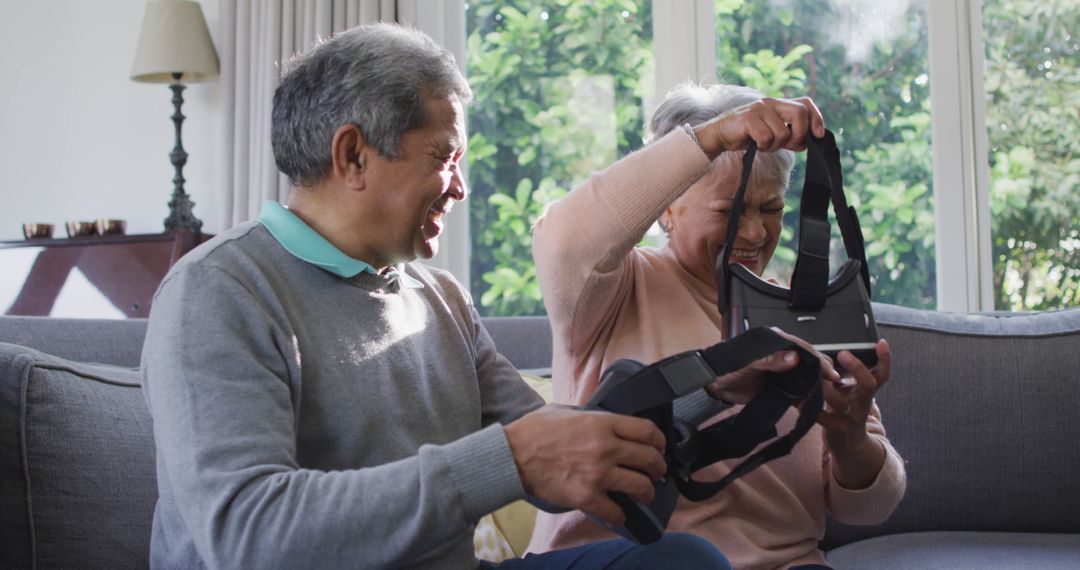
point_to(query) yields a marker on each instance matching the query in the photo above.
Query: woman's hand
(856, 457)
(771, 123)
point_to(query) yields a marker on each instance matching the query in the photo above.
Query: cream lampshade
(174, 39)
(175, 47)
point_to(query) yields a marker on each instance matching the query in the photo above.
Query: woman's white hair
(695, 103)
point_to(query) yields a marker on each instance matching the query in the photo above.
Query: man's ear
(351, 155)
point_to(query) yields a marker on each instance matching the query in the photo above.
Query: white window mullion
(959, 141)
(684, 43)
(980, 139)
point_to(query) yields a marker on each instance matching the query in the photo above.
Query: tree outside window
(1033, 124)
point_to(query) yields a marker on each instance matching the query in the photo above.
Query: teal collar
(305, 243)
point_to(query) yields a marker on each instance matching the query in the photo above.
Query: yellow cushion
(505, 534)
(489, 543)
(542, 385)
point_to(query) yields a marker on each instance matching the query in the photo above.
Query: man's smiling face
(418, 189)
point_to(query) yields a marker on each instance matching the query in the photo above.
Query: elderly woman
(608, 299)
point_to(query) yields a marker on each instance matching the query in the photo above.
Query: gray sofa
(983, 408)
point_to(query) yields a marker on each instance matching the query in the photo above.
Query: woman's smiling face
(698, 220)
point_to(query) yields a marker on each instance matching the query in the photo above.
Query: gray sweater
(307, 420)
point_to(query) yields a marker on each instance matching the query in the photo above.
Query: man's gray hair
(375, 77)
(694, 103)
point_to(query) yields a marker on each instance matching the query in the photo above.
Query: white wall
(78, 139)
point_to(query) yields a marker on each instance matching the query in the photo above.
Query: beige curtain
(256, 37)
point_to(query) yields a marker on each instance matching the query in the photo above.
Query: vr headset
(832, 314)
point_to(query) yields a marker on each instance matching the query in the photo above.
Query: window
(560, 89)
(1032, 85)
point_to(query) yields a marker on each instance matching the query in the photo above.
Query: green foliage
(559, 88)
(1033, 117)
(512, 284)
(771, 73)
(897, 212)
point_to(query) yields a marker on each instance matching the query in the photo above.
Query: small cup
(106, 227)
(80, 229)
(35, 231)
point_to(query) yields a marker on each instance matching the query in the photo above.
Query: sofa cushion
(961, 551)
(982, 408)
(76, 464)
(525, 341)
(117, 342)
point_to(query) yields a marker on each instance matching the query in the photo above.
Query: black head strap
(846, 217)
(740, 434)
(723, 276)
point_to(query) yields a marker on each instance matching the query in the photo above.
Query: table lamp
(175, 47)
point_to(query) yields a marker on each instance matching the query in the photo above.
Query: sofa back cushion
(76, 464)
(117, 342)
(982, 407)
(524, 341)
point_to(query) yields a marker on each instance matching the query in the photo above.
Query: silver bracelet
(693, 136)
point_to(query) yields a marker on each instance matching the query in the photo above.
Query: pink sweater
(609, 300)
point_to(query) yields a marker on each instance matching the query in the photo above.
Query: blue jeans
(676, 550)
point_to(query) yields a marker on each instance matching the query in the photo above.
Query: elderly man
(319, 400)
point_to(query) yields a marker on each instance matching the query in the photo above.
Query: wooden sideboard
(111, 276)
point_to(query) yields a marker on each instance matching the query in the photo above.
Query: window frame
(958, 128)
(960, 148)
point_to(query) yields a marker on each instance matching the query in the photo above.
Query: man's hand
(771, 123)
(573, 458)
(741, 386)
